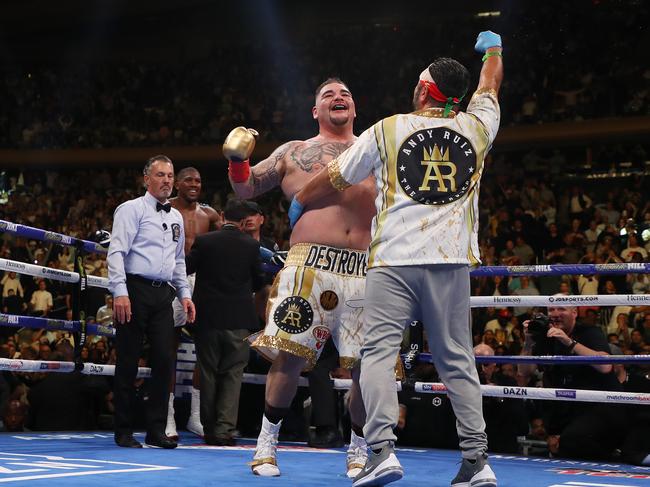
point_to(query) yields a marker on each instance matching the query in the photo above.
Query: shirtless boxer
(197, 220)
(320, 290)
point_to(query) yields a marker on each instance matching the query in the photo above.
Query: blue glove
(295, 211)
(265, 254)
(486, 40)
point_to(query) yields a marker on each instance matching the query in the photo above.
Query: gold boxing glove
(239, 144)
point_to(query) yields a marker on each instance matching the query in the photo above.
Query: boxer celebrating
(320, 290)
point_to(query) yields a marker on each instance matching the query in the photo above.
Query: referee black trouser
(151, 314)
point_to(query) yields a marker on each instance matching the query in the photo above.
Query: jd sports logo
(435, 166)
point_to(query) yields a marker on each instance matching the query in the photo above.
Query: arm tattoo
(265, 174)
(318, 154)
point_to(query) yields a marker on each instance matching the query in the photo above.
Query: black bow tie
(166, 207)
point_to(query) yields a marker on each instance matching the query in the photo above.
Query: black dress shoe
(325, 437)
(160, 441)
(219, 440)
(127, 441)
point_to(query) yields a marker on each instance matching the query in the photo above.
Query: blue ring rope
(53, 237)
(52, 324)
(550, 359)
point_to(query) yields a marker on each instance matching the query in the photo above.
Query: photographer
(575, 429)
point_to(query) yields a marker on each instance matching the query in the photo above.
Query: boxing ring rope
(38, 323)
(17, 365)
(564, 300)
(560, 269)
(52, 237)
(579, 395)
(475, 301)
(552, 359)
(50, 273)
(546, 393)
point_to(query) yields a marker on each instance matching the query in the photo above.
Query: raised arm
(250, 182)
(491, 77)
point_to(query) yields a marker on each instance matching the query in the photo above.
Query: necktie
(166, 207)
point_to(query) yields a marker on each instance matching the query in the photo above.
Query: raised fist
(486, 40)
(239, 144)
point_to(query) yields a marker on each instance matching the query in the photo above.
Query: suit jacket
(228, 271)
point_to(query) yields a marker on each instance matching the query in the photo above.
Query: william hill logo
(435, 166)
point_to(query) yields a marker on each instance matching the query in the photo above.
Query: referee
(146, 269)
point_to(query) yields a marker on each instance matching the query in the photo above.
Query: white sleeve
(484, 105)
(356, 163)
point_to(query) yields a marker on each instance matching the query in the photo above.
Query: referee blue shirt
(147, 243)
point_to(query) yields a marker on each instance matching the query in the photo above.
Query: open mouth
(339, 107)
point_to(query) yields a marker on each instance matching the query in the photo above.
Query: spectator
(527, 289)
(104, 314)
(41, 302)
(13, 416)
(11, 282)
(576, 430)
(632, 248)
(13, 303)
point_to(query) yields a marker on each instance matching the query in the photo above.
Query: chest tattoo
(319, 154)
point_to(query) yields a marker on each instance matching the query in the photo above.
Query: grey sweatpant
(438, 295)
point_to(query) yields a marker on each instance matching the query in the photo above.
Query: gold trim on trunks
(348, 362)
(276, 343)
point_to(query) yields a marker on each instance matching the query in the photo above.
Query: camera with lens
(538, 328)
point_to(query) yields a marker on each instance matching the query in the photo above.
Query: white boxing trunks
(180, 317)
(318, 293)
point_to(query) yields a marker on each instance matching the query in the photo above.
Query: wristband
(239, 172)
(490, 54)
(572, 346)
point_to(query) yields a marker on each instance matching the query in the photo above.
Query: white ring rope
(17, 365)
(580, 395)
(475, 301)
(568, 300)
(48, 272)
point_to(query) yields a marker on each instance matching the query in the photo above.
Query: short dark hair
(451, 77)
(333, 79)
(236, 210)
(181, 174)
(151, 160)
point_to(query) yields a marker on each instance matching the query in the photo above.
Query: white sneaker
(357, 455)
(381, 468)
(194, 425)
(475, 474)
(194, 422)
(264, 461)
(170, 428)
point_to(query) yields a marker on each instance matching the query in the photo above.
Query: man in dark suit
(228, 271)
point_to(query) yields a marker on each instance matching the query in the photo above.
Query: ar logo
(444, 171)
(294, 315)
(435, 166)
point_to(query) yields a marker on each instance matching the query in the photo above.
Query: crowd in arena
(193, 101)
